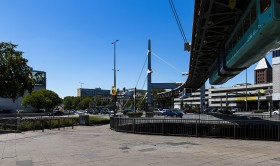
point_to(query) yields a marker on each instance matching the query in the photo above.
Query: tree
(68, 100)
(40, 99)
(85, 102)
(15, 75)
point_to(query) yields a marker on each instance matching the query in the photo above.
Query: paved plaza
(100, 146)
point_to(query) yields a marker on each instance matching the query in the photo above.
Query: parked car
(235, 110)
(207, 110)
(179, 113)
(188, 110)
(225, 111)
(104, 111)
(127, 110)
(276, 112)
(90, 111)
(157, 111)
(172, 113)
(56, 113)
(111, 112)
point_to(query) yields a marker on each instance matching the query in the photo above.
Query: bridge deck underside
(213, 22)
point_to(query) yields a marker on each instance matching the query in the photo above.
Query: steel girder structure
(213, 22)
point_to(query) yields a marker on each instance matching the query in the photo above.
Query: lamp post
(115, 79)
(81, 88)
(246, 93)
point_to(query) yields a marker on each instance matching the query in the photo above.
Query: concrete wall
(9, 104)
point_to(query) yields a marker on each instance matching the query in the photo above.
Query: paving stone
(98, 146)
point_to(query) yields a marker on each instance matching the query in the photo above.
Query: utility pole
(115, 79)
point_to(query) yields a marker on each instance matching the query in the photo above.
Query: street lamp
(81, 88)
(115, 79)
(246, 93)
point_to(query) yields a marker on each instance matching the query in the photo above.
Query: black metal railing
(239, 129)
(19, 124)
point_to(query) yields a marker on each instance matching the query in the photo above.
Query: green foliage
(98, 120)
(77, 103)
(134, 114)
(258, 111)
(68, 100)
(39, 124)
(15, 74)
(40, 99)
(85, 102)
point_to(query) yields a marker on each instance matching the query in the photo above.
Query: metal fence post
(18, 124)
(50, 122)
(59, 124)
(72, 123)
(234, 131)
(43, 125)
(33, 124)
(278, 132)
(134, 125)
(196, 128)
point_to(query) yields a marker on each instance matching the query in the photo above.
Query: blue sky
(71, 40)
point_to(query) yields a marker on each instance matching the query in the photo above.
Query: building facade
(83, 92)
(40, 83)
(263, 72)
(232, 97)
(259, 95)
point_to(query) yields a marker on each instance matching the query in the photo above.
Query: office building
(84, 92)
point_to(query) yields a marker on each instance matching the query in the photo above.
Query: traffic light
(114, 92)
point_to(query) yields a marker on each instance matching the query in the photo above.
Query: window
(264, 4)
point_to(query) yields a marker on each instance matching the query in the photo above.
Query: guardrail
(240, 129)
(19, 124)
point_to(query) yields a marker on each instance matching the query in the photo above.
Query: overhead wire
(178, 21)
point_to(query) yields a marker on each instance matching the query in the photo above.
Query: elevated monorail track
(213, 22)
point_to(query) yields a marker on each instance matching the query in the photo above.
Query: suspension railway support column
(202, 98)
(276, 76)
(149, 111)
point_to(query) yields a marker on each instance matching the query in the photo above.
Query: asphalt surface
(100, 146)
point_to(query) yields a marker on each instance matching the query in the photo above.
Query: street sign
(244, 98)
(114, 91)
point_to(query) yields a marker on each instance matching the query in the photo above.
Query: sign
(232, 4)
(114, 91)
(244, 98)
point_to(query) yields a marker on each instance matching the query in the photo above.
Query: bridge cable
(167, 63)
(144, 82)
(141, 71)
(178, 21)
